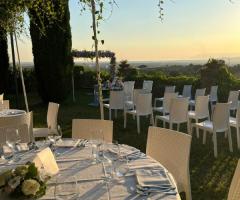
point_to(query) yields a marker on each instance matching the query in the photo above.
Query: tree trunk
(4, 61)
(53, 60)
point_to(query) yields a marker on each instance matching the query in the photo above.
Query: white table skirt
(92, 185)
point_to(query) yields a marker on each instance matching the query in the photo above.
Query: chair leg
(125, 119)
(115, 113)
(238, 137)
(215, 144)
(225, 134)
(178, 127)
(189, 126)
(204, 136)
(138, 124)
(170, 126)
(110, 114)
(152, 119)
(230, 140)
(197, 129)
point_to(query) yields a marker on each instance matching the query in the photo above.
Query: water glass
(66, 188)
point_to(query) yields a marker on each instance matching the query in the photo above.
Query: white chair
(199, 92)
(23, 123)
(1, 97)
(233, 98)
(219, 123)
(234, 191)
(129, 105)
(168, 89)
(147, 86)
(143, 108)
(83, 128)
(128, 87)
(52, 125)
(187, 91)
(213, 96)
(4, 104)
(235, 122)
(172, 150)
(166, 103)
(116, 102)
(201, 112)
(178, 113)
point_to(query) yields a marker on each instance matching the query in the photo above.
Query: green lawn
(210, 177)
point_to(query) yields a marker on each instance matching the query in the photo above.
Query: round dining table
(116, 172)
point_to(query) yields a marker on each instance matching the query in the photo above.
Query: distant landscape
(153, 64)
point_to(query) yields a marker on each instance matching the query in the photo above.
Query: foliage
(4, 60)
(52, 54)
(92, 54)
(14, 182)
(112, 68)
(126, 71)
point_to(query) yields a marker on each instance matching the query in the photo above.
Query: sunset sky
(192, 29)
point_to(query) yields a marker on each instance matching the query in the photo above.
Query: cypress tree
(4, 60)
(52, 52)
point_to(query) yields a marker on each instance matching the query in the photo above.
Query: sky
(191, 29)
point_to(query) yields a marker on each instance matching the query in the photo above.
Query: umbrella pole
(14, 69)
(21, 75)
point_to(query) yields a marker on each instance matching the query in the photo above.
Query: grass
(210, 177)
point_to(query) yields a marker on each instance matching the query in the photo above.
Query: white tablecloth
(77, 164)
(11, 112)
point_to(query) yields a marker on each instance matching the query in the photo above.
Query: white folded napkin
(22, 147)
(125, 150)
(152, 178)
(67, 143)
(7, 150)
(45, 161)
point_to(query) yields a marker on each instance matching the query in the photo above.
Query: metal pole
(14, 69)
(21, 75)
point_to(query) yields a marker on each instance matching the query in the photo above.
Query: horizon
(136, 33)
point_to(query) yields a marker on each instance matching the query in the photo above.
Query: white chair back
(178, 110)
(116, 100)
(170, 89)
(213, 93)
(24, 124)
(144, 104)
(234, 191)
(83, 128)
(52, 115)
(187, 91)
(1, 97)
(233, 98)
(128, 87)
(4, 104)
(200, 92)
(167, 101)
(221, 116)
(172, 149)
(135, 95)
(201, 107)
(147, 86)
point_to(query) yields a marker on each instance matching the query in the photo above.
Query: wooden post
(97, 58)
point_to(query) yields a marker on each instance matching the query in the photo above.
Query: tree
(52, 53)
(4, 60)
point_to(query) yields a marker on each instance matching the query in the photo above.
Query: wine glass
(12, 138)
(66, 187)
